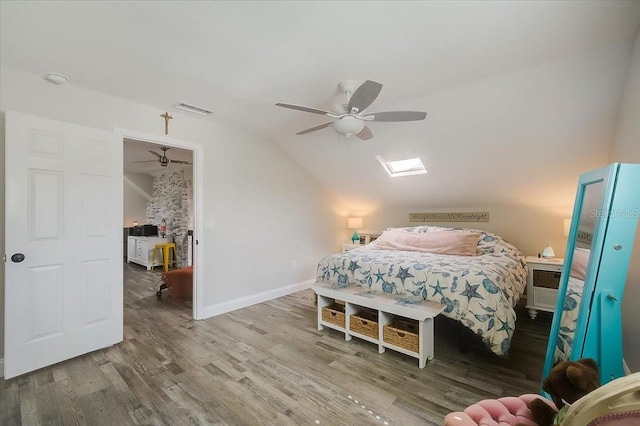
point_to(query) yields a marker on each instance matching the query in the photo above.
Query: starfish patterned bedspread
(569, 319)
(478, 291)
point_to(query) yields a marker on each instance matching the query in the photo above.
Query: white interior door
(63, 201)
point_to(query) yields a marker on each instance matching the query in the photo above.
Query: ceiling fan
(350, 118)
(163, 159)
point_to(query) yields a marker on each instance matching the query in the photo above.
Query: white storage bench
(401, 326)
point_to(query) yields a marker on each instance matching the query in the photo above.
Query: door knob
(17, 258)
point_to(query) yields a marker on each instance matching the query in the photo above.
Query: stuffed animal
(567, 382)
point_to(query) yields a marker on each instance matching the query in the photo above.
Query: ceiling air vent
(193, 109)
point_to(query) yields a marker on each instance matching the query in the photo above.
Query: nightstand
(542, 284)
(350, 246)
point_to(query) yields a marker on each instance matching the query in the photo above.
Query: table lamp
(355, 223)
(548, 252)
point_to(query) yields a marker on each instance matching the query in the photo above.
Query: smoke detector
(56, 78)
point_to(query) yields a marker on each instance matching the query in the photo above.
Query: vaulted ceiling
(521, 96)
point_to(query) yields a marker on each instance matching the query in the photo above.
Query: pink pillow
(579, 263)
(459, 243)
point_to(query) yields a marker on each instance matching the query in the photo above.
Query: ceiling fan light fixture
(348, 126)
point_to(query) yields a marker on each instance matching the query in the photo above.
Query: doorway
(163, 181)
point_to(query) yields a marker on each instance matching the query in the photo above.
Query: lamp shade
(354, 223)
(348, 126)
(548, 253)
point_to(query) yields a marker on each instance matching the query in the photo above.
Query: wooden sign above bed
(450, 217)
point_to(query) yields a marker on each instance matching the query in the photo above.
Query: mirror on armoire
(587, 318)
(593, 198)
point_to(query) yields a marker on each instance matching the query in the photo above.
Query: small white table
(542, 288)
(388, 307)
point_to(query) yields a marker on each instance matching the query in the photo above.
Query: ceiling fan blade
(313, 129)
(180, 162)
(156, 154)
(397, 116)
(364, 95)
(305, 109)
(365, 134)
(146, 161)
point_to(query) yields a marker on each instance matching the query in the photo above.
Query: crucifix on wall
(167, 117)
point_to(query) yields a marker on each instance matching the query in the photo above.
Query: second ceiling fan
(350, 119)
(163, 159)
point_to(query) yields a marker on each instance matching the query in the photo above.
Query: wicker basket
(365, 322)
(402, 333)
(333, 314)
(547, 279)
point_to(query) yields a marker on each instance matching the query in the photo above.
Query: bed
(571, 304)
(479, 291)
(569, 318)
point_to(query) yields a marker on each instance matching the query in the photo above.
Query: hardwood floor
(266, 364)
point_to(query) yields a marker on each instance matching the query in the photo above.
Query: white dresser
(140, 249)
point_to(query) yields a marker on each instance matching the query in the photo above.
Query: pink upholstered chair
(506, 411)
(616, 404)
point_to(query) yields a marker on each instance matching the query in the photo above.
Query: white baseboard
(1, 367)
(243, 302)
(627, 371)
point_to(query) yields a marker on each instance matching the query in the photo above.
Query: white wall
(276, 206)
(626, 149)
(135, 204)
(267, 210)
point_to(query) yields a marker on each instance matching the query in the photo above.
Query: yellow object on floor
(167, 260)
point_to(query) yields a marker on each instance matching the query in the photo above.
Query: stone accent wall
(173, 201)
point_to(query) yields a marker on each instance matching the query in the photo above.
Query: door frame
(198, 199)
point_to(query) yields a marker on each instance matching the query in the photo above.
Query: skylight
(410, 166)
